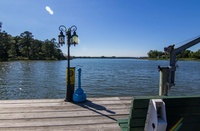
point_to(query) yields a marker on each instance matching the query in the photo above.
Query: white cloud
(49, 10)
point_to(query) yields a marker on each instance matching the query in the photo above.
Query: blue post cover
(79, 95)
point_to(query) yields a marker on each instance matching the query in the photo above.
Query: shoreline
(102, 57)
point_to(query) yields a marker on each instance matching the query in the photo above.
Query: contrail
(49, 10)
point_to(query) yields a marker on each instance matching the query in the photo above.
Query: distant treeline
(108, 57)
(25, 46)
(185, 54)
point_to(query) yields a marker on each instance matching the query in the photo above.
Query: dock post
(79, 95)
(163, 82)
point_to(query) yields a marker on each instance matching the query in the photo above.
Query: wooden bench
(182, 112)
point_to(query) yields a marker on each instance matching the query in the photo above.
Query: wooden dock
(96, 114)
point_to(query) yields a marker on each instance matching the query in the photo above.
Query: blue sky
(107, 27)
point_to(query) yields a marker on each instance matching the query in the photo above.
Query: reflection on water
(31, 79)
(100, 77)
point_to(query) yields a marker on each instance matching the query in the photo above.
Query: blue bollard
(79, 95)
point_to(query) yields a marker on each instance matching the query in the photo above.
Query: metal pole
(69, 92)
(163, 83)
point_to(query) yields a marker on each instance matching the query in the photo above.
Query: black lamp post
(72, 39)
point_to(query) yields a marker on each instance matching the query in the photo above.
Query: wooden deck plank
(58, 104)
(93, 127)
(60, 121)
(62, 114)
(55, 114)
(53, 108)
(126, 101)
(57, 100)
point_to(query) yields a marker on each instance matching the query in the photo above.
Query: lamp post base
(69, 93)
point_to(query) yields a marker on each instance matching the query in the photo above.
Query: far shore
(105, 57)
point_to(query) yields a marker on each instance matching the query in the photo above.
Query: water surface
(100, 78)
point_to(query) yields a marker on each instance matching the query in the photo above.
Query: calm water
(100, 77)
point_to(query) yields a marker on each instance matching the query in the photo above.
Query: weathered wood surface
(54, 114)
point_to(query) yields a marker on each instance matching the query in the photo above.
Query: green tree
(47, 49)
(155, 54)
(184, 54)
(27, 47)
(5, 40)
(57, 53)
(197, 54)
(27, 39)
(51, 50)
(36, 50)
(191, 55)
(13, 51)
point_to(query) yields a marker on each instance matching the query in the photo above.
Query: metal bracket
(156, 116)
